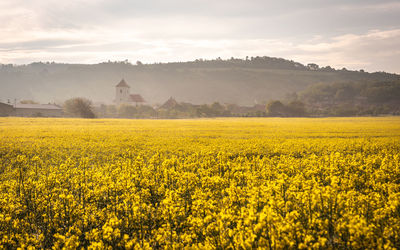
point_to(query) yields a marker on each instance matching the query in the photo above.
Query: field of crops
(212, 183)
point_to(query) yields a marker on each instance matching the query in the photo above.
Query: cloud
(376, 50)
(39, 44)
(378, 6)
(356, 34)
(199, 18)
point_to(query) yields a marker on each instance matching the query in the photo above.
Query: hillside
(243, 82)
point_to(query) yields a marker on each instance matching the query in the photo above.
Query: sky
(355, 34)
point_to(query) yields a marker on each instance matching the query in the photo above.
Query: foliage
(127, 111)
(276, 108)
(293, 109)
(142, 111)
(209, 183)
(80, 107)
(235, 80)
(179, 110)
(353, 98)
(296, 109)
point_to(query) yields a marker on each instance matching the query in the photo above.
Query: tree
(217, 108)
(276, 108)
(111, 110)
(345, 94)
(146, 111)
(80, 107)
(312, 66)
(127, 111)
(296, 108)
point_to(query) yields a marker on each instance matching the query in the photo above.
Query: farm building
(40, 110)
(6, 109)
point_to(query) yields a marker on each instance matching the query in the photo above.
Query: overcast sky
(358, 34)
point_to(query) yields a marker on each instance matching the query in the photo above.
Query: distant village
(336, 99)
(127, 105)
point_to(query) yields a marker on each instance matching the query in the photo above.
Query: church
(122, 95)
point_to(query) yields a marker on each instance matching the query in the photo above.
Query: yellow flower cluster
(213, 183)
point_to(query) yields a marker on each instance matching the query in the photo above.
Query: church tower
(122, 92)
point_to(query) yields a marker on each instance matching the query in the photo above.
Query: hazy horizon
(135, 63)
(355, 35)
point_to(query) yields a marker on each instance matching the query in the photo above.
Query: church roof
(136, 98)
(122, 83)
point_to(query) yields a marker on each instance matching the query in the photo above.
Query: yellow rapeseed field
(212, 184)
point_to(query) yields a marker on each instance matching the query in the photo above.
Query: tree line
(335, 99)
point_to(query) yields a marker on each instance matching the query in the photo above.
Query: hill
(237, 81)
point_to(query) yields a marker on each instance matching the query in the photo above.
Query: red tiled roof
(171, 103)
(122, 83)
(136, 98)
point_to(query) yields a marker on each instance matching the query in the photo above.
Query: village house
(169, 104)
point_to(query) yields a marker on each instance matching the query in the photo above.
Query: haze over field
(79, 36)
(243, 82)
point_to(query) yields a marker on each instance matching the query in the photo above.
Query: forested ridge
(249, 81)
